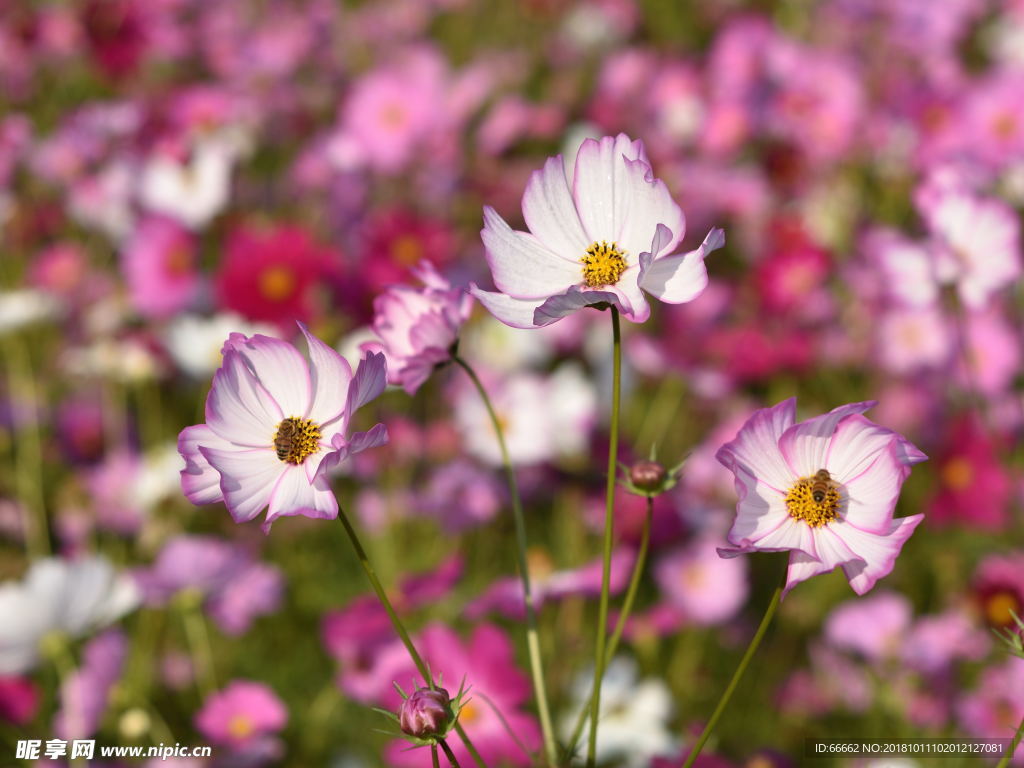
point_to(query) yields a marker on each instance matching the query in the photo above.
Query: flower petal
(341, 449)
(557, 307)
(295, 495)
(200, 482)
(247, 478)
(550, 212)
(791, 534)
(634, 306)
(756, 446)
(369, 381)
(649, 206)
(517, 313)
(600, 188)
(872, 494)
(801, 568)
(238, 408)
(805, 445)
(856, 444)
(279, 367)
(878, 553)
(330, 374)
(521, 266)
(760, 510)
(682, 277)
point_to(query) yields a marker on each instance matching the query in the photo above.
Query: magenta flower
(243, 716)
(824, 490)
(418, 326)
(275, 425)
(603, 237)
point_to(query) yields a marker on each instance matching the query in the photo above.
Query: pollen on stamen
(801, 504)
(296, 439)
(603, 264)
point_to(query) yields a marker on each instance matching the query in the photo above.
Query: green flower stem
(433, 756)
(449, 754)
(602, 612)
(532, 636)
(396, 622)
(27, 447)
(744, 662)
(1013, 746)
(199, 643)
(620, 625)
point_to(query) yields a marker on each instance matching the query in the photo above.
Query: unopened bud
(647, 475)
(427, 713)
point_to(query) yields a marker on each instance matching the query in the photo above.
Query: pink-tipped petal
(755, 448)
(760, 510)
(247, 479)
(330, 375)
(295, 495)
(633, 303)
(856, 444)
(650, 206)
(806, 444)
(280, 368)
(550, 213)
(369, 381)
(521, 266)
(878, 553)
(238, 408)
(873, 493)
(600, 187)
(801, 568)
(517, 313)
(791, 534)
(683, 277)
(557, 307)
(372, 438)
(200, 482)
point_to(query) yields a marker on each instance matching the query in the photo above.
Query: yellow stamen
(802, 506)
(603, 264)
(296, 439)
(998, 608)
(468, 713)
(406, 250)
(240, 726)
(957, 474)
(277, 283)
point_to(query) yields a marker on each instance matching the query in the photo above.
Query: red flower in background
(396, 241)
(272, 274)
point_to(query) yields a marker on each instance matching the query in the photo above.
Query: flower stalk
(602, 612)
(532, 635)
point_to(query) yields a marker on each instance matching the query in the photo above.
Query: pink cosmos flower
(603, 238)
(418, 326)
(874, 627)
(85, 693)
(969, 460)
(824, 490)
(19, 700)
(242, 715)
(998, 589)
(159, 264)
(703, 587)
(275, 424)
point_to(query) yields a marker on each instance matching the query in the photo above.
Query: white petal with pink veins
(682, 277)
(879, 553)
(761, 509)
(521, 266)
(550, 212)
(295, 495)
(199, 481)
(280, 368)
(650, 204)
(238, 408)
(756, 447)
(600, 186)
(330, 374)
(792, 534)
(247, 478)
(806, 444)
(517, 313)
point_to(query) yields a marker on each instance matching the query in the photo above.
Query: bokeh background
(174, 170)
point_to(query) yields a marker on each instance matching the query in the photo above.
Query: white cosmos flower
(604, 237)
(194, 342)
(71, 597)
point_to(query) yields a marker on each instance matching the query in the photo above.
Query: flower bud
(647, 475)
(426, 713)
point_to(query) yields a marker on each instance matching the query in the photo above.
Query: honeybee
(821, 485)
(286, 433)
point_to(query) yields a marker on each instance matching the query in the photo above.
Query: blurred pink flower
(995, 115)
(846, 518)
(998, 589)
(874, 627)
(487, 663)
(276, 424)
(396, 241)
(159, 263)
(935, 642)
(271, 274)
(418, 327)
(19, 700)
(705, 588)
(242, 716)
(993, 353)
(462, 495)
(604, 240)
(968, 461)
(993, 710)
(84, 694)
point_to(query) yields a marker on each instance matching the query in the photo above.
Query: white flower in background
(25, 307)
(633, 725)
(126, 360)
(103, 201)
(194, 342)
(69, 597)
(195, 189)
(543, 417)
(493, 345)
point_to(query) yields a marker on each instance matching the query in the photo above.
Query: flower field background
(180, 179)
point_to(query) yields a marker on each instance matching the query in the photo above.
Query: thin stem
(532, 635)
(199, 645)
(1013, 746)
(620, 625)
(602, 613)
(744, 662)
(449, 754)
(433, 756)
(396, 622)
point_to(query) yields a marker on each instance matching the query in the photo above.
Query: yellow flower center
(468, 713)
(603, 264)
(406, 250)
(957, 474)
(296, 439)
(277, 283)
(240, 727)
(814, 501)
(999, 606)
